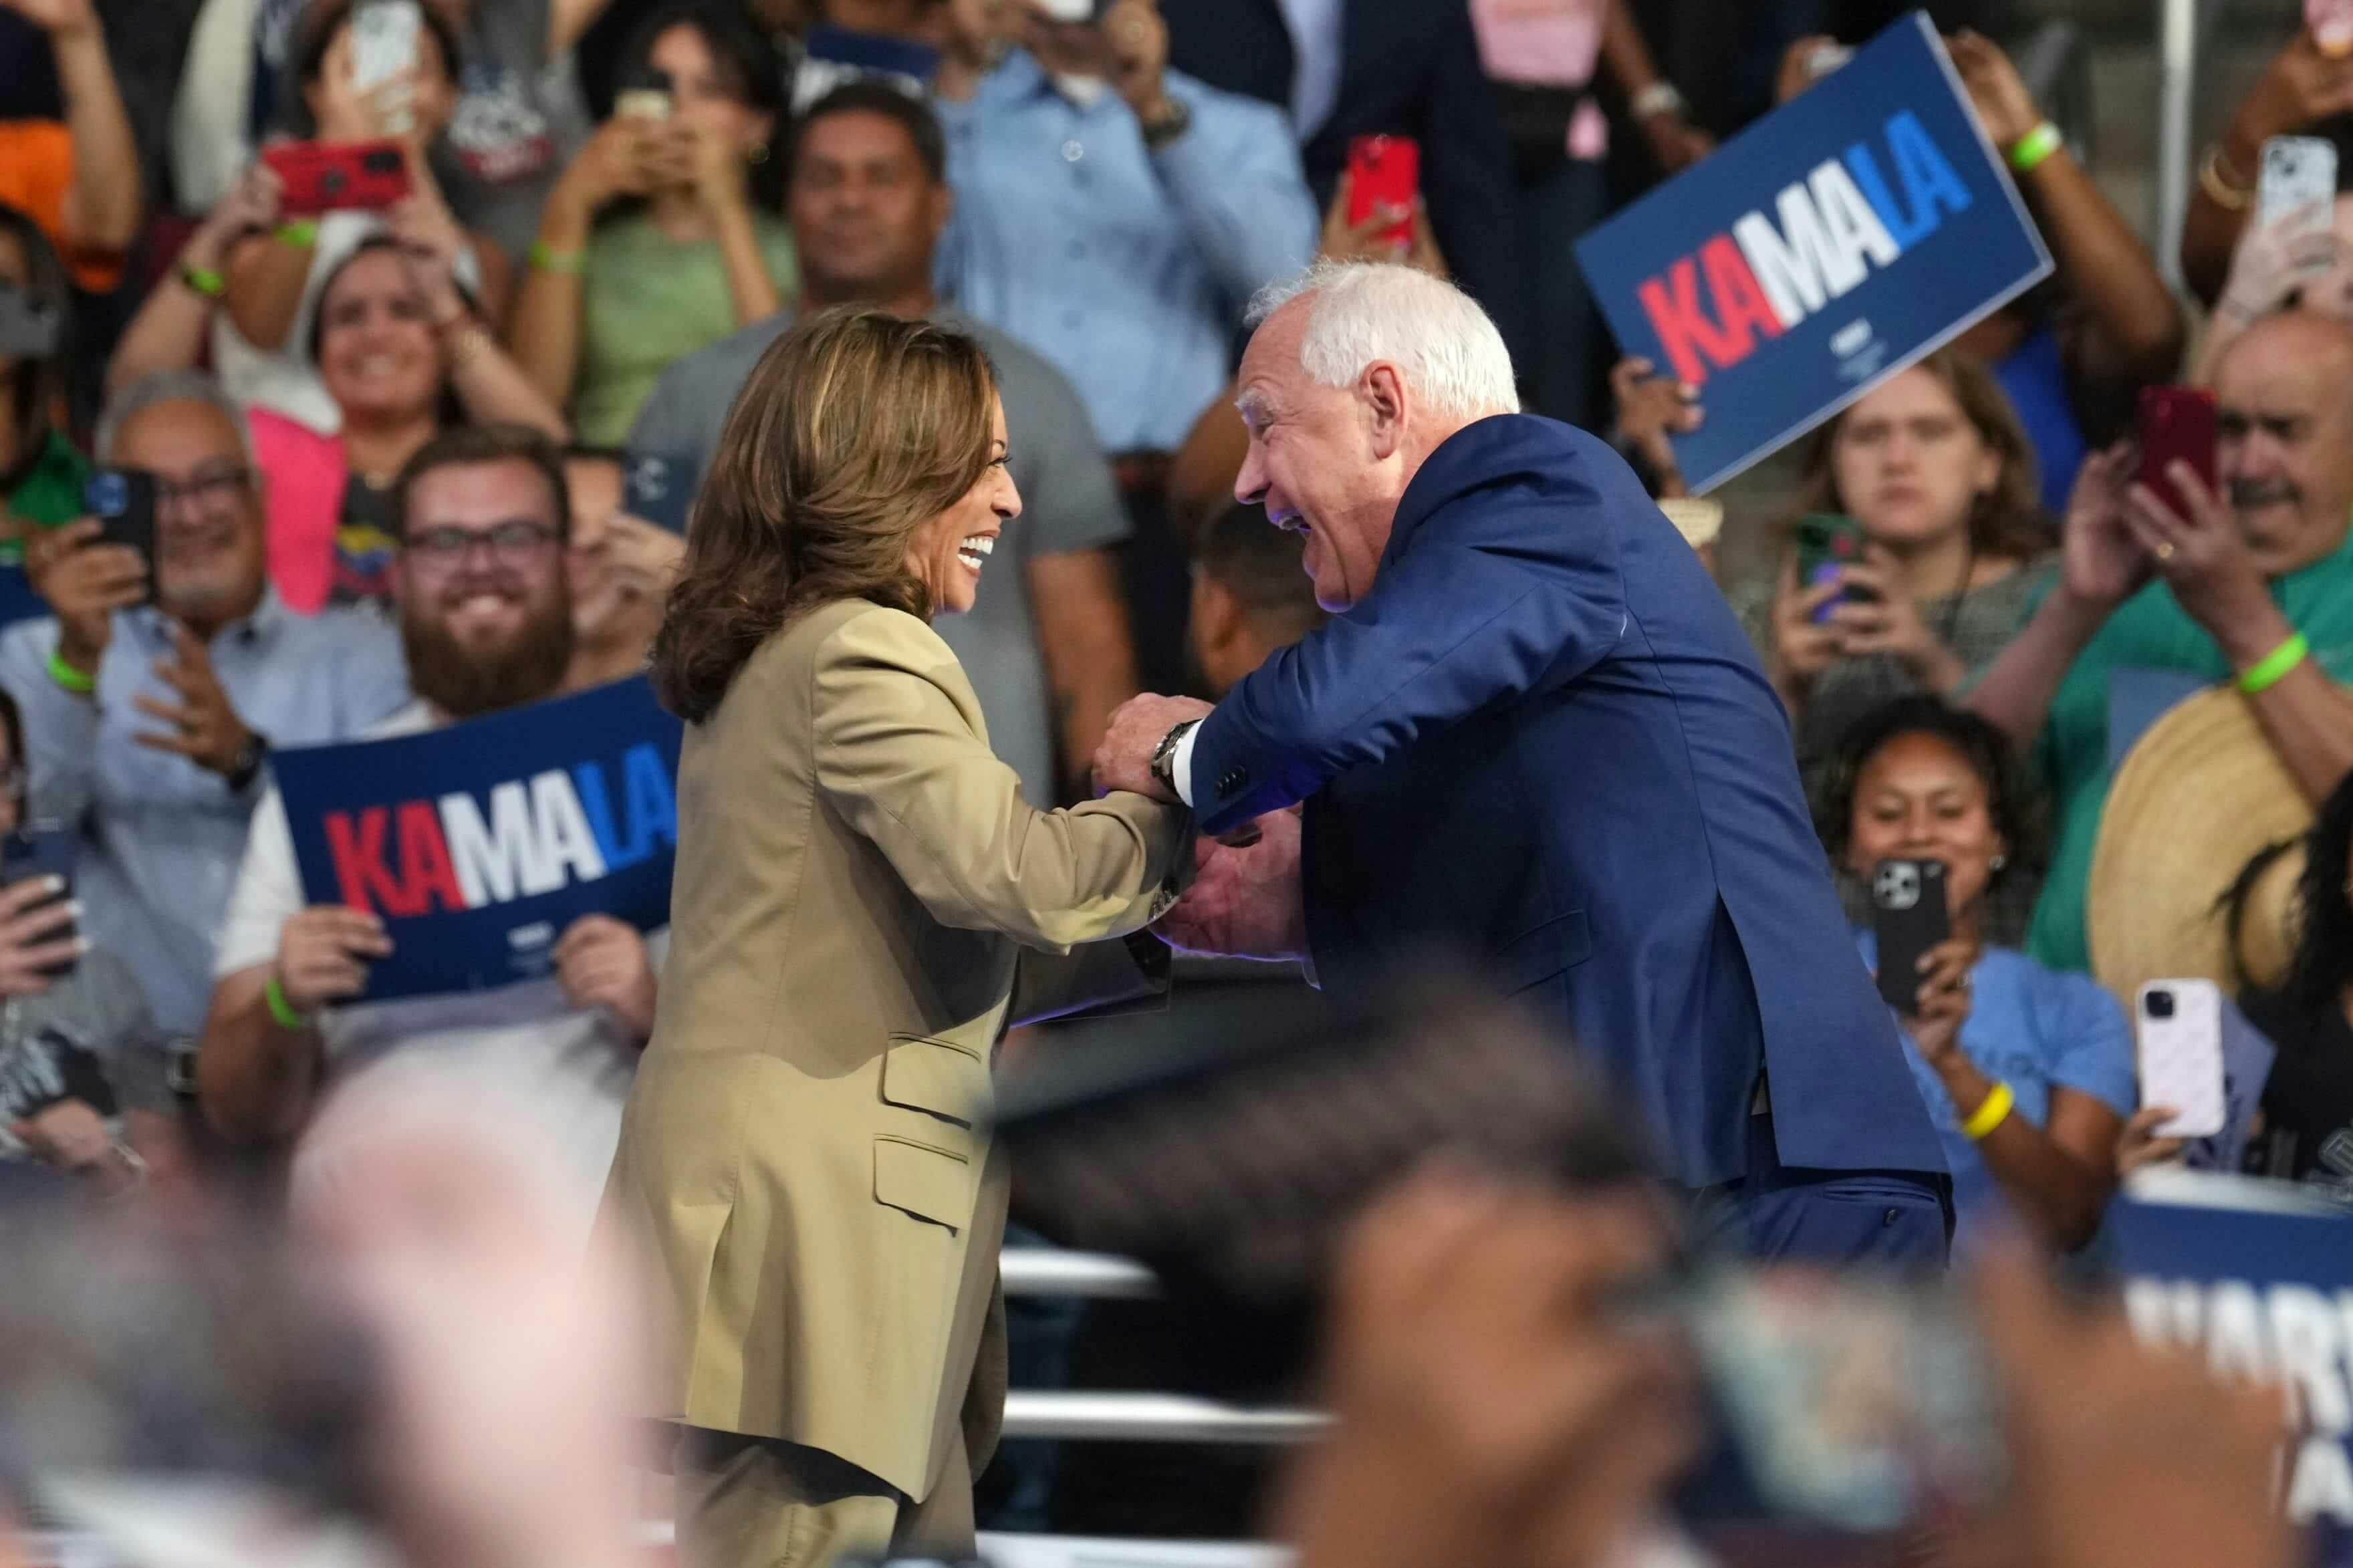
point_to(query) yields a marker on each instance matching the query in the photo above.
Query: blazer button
(1231, 780)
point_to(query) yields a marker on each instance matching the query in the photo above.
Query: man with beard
(155, 689)
(486, 616)
(2254, 586)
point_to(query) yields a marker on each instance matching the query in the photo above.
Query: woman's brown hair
(2008, 522)
(855, 429)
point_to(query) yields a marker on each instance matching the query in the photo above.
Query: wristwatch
(1173, 122)
(249, 758)
(1163, 756)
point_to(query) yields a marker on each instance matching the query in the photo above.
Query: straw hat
(2198, 798)
(1698, 520)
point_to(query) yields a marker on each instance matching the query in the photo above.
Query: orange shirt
(36, 171)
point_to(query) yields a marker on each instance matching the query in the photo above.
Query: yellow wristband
(2027, 153)
(74, 680)
(2266, 672)
(547, 259)
(281, 1008)
(1991, 1114)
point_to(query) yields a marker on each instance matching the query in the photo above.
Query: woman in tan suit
(860, 890)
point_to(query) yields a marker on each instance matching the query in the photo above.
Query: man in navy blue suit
(1534, 734)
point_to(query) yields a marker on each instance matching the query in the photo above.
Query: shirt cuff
(1180, 764)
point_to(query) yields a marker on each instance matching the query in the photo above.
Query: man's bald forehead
(2291, 341)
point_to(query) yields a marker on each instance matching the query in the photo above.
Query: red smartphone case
(2177, 425)
(322, 177)
(1383, 171)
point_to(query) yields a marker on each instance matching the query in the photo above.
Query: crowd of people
(392, 451)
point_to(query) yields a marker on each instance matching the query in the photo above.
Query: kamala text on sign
(1837, 240)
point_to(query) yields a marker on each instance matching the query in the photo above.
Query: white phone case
(2181, 1056)
(2298, 175)
(384, 40)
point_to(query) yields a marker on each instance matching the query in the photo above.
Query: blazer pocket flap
(949, 1081)
(1536, 956)
(930, 1183)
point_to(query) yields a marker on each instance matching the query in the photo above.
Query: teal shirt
(2148, 631)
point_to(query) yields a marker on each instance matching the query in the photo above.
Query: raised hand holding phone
(85, 580)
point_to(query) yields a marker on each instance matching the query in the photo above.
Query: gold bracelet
(2218, 189)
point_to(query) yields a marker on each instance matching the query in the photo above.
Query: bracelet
(74, 680)
(2219, 190)
(302, 234)
(2267, 671)
(205, 280)
(282, 1009)
(1991, 1114)
(2029, 151)
(545, 258)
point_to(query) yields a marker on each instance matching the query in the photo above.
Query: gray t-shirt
(520, 119)
(1068, 499)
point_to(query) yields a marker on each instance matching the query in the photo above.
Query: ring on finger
(2164, 551)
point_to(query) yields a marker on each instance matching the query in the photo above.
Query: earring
(1997, 862)
(758, 154)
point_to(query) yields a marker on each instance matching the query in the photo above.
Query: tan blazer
(804, 1154)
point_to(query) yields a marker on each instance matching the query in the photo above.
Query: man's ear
(1382, 389)
(1217, 615)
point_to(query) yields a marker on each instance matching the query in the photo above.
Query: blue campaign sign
(1837, 240)
(2258, 1275)
(480, 843)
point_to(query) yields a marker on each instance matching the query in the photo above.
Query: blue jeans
(1782, 1214)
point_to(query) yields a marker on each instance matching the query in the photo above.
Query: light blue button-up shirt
(1127, 268)
(162, 836)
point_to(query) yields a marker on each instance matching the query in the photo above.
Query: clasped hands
(1245, 899)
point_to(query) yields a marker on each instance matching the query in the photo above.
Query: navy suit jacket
(1543, 740)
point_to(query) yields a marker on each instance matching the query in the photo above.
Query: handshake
(1245, 899)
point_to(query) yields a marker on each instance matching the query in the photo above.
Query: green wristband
(282, 1009)
(67, 675)
(547, 259)
(2266, 672)
(2027, 153)
(302, 234)
(205, 280)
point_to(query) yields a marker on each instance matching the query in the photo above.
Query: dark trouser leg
(1781, 1214)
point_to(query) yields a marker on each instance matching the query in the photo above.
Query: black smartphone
(658, 487)
(124, 501)
(1909, 917)
(43, 851)
(30, 328)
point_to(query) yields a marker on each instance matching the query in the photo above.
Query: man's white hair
(1360, 312)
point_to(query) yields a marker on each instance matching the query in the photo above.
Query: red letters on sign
(368, 883)
(1684, 326)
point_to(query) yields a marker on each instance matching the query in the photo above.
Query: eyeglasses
(513, 545)
(205, 491)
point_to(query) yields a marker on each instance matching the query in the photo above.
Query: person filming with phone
(2247, 580)
(166, 671)
(665, 234)
(2028, 1074)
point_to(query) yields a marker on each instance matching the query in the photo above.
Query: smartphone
(30, 328)
(1908, 917)
(383, 48)
(124, 501)
(43, 849)
(2177, 425)
(1826, 543)
(2179, 1023)
(1383, 171)
(1858, 1402)
(660, 488)
(2330, 23)
(646, 93)
(319, 177)
(2296, 178)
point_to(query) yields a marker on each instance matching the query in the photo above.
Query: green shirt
(2148, 631)
(51, 490)
(647, 302)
